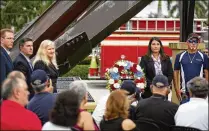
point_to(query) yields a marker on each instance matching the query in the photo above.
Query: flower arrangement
(124, 69)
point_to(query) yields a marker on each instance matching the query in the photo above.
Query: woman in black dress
(155, 62)
(45, 59)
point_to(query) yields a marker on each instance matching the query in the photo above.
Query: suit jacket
(147, 64)
(6, 64)
(51, 71)
(21, 64)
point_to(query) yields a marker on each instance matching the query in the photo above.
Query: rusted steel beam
(52, 22)
(100, 23)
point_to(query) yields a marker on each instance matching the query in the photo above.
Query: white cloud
(152, 7)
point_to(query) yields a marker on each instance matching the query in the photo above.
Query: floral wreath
(124, 69)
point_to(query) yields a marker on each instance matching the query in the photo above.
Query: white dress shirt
(193, 114)
(100, 109)
(50, 126)
(8, 52)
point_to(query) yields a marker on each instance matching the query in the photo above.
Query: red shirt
(16, 117)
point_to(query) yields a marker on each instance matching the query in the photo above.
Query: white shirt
(193, 114)
(8, 52)
(100, 109)
(50, 126)
(157, 65)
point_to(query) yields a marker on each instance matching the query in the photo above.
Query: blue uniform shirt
(41, 104)
(190, 66)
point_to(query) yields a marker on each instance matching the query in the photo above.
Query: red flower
(133, 68)
(112, 87)
(120, 68)
(116, 81)
(116, 65)
(141, 80)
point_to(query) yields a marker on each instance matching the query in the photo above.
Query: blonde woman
(45, 59)
(116, 114)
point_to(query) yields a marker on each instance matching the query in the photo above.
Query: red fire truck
(132, 39)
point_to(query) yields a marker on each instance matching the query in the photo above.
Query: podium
(177, 48)
(63, 84)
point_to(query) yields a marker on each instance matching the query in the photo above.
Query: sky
(152, 7)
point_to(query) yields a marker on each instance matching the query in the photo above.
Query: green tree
(200, 11)
(16, 13)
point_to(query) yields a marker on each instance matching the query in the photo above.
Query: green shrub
(79, 70)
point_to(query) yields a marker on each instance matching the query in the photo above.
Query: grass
(79, 70)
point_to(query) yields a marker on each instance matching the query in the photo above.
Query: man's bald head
(16, 74)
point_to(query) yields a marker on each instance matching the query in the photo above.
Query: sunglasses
(193, 41)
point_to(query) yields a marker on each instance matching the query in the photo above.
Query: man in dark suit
(157, 107)
(7, 40)
(23, 63)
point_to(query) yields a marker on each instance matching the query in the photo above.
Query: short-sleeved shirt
(190, 66)
(42, 104)
(15, 117)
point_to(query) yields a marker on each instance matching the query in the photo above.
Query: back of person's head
(160, 85)
(39, 80)
(66, 109)
(117, 105)
(15, 89)
(198, 87)
(16, 74)
(80, 88)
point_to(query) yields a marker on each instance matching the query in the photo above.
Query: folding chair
(183, 128)
(146, 125)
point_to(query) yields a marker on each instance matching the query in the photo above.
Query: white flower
(115, 69)
(139, 68)
(138, 78)
(116, 85)
(111, 81)
(140, 85)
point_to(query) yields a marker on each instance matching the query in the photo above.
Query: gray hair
(8, 85)
(198, 87)
(16, 74)
(80, 88)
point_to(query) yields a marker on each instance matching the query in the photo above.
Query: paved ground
(97, 89)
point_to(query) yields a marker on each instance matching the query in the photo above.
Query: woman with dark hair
(69, 111)
(155, 62)
(65, 113)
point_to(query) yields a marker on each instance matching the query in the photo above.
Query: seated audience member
(43, 100)
(14, 116)
(68, 112)
(16, 74)
(116, 113)
(157, 107)
(127, 85)
(195, 112)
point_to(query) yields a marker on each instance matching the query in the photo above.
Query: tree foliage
(16, 13)
(173, 7)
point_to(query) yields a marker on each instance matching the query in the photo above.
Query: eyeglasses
(205, 51)
(193, 41)
(9, 38)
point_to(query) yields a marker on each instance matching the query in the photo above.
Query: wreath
(124, 69)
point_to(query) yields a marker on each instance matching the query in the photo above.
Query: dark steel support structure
(52, 22)
(99, 24)
(186, 18)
